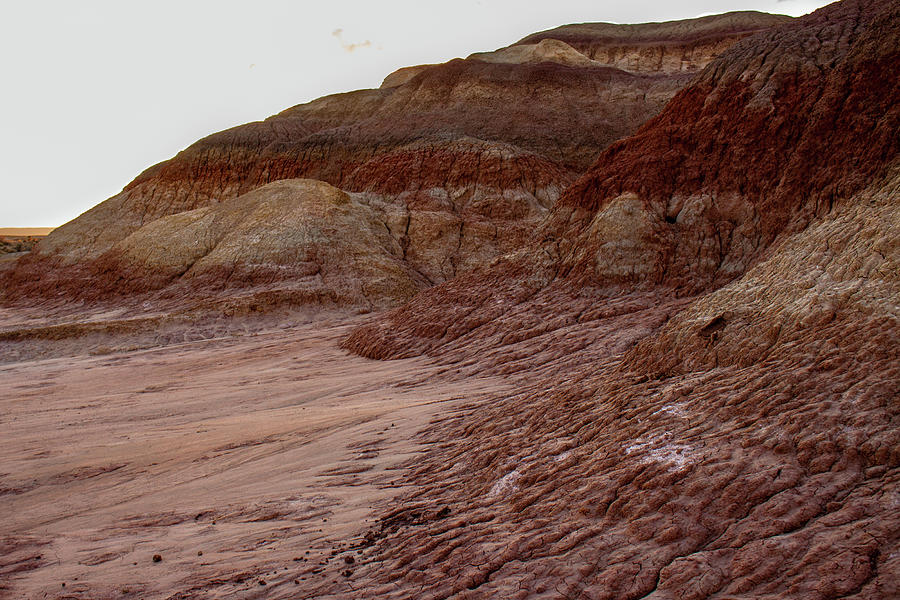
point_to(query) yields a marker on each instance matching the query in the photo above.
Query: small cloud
(252, 65)
(349, 47)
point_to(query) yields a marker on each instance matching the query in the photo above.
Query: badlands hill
(456, 163)
(709, 321)
(649, 347)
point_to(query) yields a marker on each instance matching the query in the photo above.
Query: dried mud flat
(252, 466)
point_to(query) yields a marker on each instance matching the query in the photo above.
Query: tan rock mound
(402, 75)
(547, 50)
(296, 234)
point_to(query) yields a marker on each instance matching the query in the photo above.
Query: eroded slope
(709, 324)
(769, 137)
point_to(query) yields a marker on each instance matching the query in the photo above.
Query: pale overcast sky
(95, 91)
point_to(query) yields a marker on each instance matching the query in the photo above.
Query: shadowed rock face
(708, 320)
(459, 160)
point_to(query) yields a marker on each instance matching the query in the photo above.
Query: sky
(95, 91)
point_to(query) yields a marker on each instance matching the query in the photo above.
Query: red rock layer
(456, 204)
(774, 138)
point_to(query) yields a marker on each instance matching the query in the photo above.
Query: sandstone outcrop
(506, 134)
(719, 425)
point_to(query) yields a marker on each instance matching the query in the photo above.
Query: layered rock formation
(746, 155)
(670, 47)
(709, 322)
(458, 159)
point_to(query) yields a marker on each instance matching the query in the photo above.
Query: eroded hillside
(709, 319)
(459, 161)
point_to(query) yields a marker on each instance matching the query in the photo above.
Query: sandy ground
(25, 231)
(250, 465)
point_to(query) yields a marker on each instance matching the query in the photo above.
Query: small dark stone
(157, 558)
(349, 559)
(199, 552)
(347, 573)
(261, 582)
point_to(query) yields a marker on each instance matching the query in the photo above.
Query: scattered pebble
(157, 558)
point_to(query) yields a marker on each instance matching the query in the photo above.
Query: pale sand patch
(250, 450)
